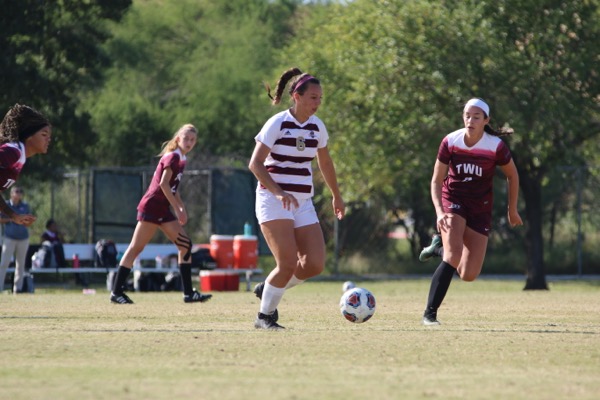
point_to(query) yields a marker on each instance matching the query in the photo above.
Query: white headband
(478, 103)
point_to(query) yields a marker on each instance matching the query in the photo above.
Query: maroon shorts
(477, 213)
(156, 218)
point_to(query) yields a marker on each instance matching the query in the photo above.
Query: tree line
(118, 77)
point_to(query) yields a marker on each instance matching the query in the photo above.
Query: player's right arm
(177, 206)
(257, 166)
(440, 171)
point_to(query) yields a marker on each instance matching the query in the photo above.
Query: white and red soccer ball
(357, 305)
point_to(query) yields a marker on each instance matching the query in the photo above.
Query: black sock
(121, 280)
(440, 282)
(186, 278)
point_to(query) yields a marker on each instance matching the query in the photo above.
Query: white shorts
(269, 208)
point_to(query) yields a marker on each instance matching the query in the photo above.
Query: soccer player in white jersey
(462, 194)
(281, 161)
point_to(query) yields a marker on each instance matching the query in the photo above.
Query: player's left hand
(339, 207)
(181, 215)
(514, 219)
(442, 224)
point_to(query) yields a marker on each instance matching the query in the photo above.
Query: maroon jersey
(471, 169)
(12, 159)
(155, 202)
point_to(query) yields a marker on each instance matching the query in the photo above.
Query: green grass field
(496, 342)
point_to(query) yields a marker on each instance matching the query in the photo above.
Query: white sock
(270, 298)
(293, 282)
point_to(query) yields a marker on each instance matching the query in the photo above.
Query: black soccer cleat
(120, 298)
(267, 322)
(430, 319)
(429, 251)
(196, 297)
(258, 291)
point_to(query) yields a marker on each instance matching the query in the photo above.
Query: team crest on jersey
(312, 135)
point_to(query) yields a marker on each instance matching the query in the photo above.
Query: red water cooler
(245, 251)
(221, 249)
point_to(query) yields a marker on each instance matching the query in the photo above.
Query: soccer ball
(347, 286)
(357, 305)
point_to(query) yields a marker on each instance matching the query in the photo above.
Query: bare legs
(144, 231)
(464, 251)
(299, 254)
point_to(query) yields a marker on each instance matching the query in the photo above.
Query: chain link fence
(101, 203)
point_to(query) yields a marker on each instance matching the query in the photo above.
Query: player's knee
(467, 275)
(184, 247)
(452, 258)
(312, 268)
(287, 265)
(284, 272)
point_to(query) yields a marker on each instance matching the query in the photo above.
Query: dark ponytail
(498, 132)
(283, 81)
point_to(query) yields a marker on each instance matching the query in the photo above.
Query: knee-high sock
(293, 282)
(186, 278)
(120, 280)
(270, 298)
(440, 282)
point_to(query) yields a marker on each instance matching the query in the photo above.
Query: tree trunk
(532, 193)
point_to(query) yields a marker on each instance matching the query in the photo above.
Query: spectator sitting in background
(54, 239)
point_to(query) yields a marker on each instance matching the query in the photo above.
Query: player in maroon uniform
(24, 132)
(461, 190)
(154, 212)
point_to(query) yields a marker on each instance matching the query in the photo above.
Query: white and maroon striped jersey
(293, 147)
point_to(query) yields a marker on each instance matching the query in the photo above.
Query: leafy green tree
(545, 77)
(397, 73)
(390, 95)
(193, 61)
(50, 52)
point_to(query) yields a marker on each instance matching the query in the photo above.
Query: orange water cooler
(221, 249)
(245, 251)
